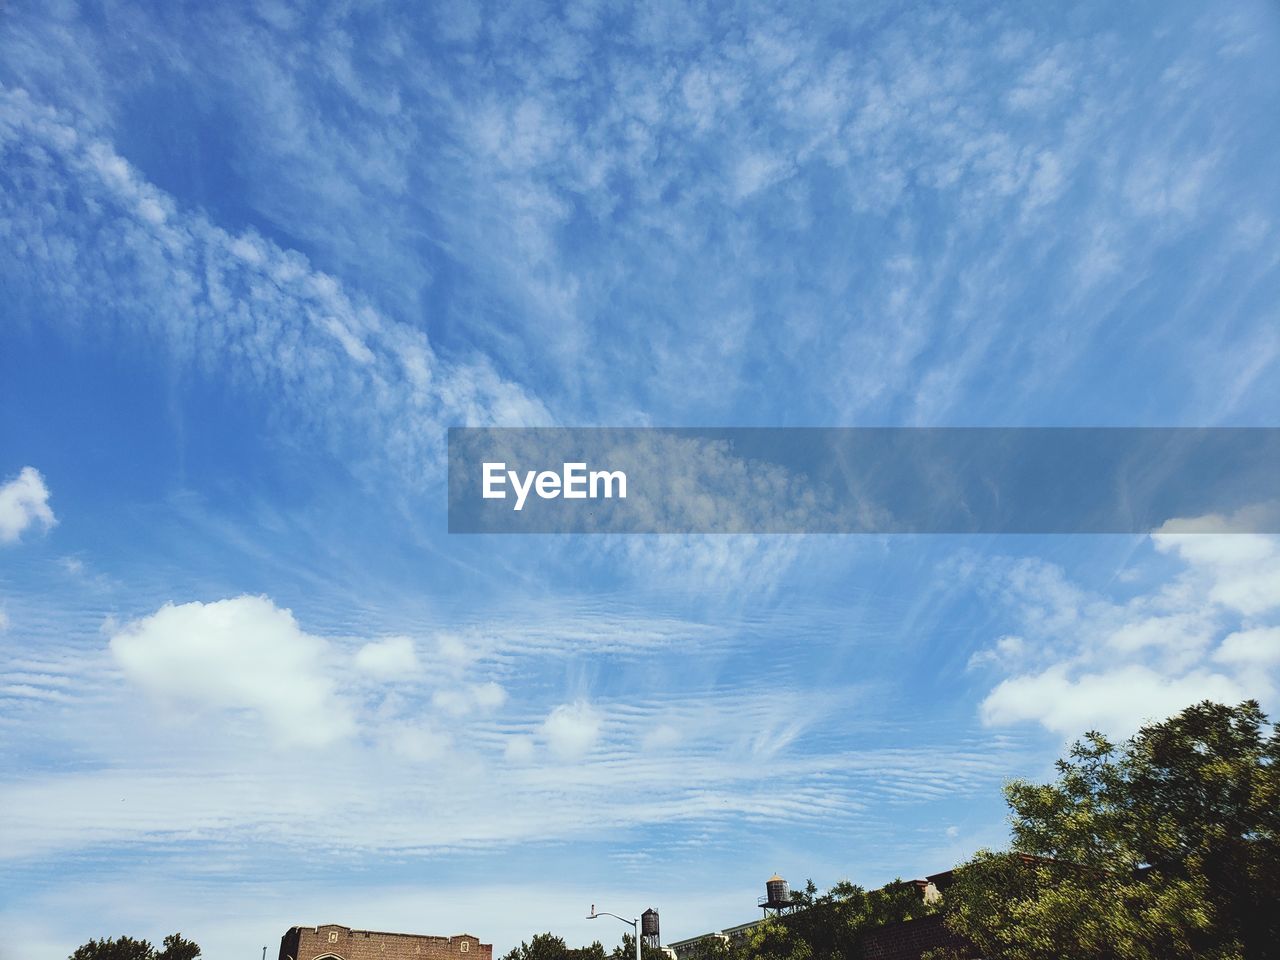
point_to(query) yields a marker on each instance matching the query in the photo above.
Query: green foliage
(1164, 848)
(772, 939)
(949, 953)
(127, 948)
(826, 926)
(709, 948)
(547, 946)
(178, 948)
(832, 925)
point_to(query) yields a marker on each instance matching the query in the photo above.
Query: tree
(547, 946)
(1163, 848)
(772, 939)
(127, 948)
(176, 947)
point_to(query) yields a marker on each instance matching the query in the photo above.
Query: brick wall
(311, 943)
(907, 940)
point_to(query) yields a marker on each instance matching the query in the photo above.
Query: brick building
(334, 942)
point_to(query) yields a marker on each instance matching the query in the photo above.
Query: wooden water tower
(649, 934)
(777, 899)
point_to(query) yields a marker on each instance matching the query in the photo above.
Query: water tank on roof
(649, 928)
(778, 893)
(649, 923)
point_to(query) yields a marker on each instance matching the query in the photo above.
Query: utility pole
(635, 924)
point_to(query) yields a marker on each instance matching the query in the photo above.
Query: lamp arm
(605, 913)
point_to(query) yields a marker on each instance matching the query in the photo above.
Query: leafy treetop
(1161, 848)
(176, 947)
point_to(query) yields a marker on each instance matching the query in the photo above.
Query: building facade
(335, 942)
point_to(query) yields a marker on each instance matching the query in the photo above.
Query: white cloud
(24, 502)
(1006, 652)
(571, 730)
(463, 699)
(388, 659)
(455, 651)
(415, 741)
(1086, 661)
(1180, 638)
(488, 696)
(520, 748)
(662, 737)
(1259, 647)
(241, 653)
(1115, 701)
(756, 171)
(1241, 570)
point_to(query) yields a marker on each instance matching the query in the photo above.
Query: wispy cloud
(246, 696)
(219, 300)
(358, 228)
(758, 203)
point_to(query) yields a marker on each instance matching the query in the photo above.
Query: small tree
(176, 947)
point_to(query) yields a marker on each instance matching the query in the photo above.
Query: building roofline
(389, 933)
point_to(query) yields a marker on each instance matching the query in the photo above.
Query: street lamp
(635, 924)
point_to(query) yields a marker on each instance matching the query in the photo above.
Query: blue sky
(257, 258)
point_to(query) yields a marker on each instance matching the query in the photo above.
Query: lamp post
(635, 924)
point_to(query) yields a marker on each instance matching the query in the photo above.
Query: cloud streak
(88, 230)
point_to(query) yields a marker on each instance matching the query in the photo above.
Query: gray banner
(863, 480)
